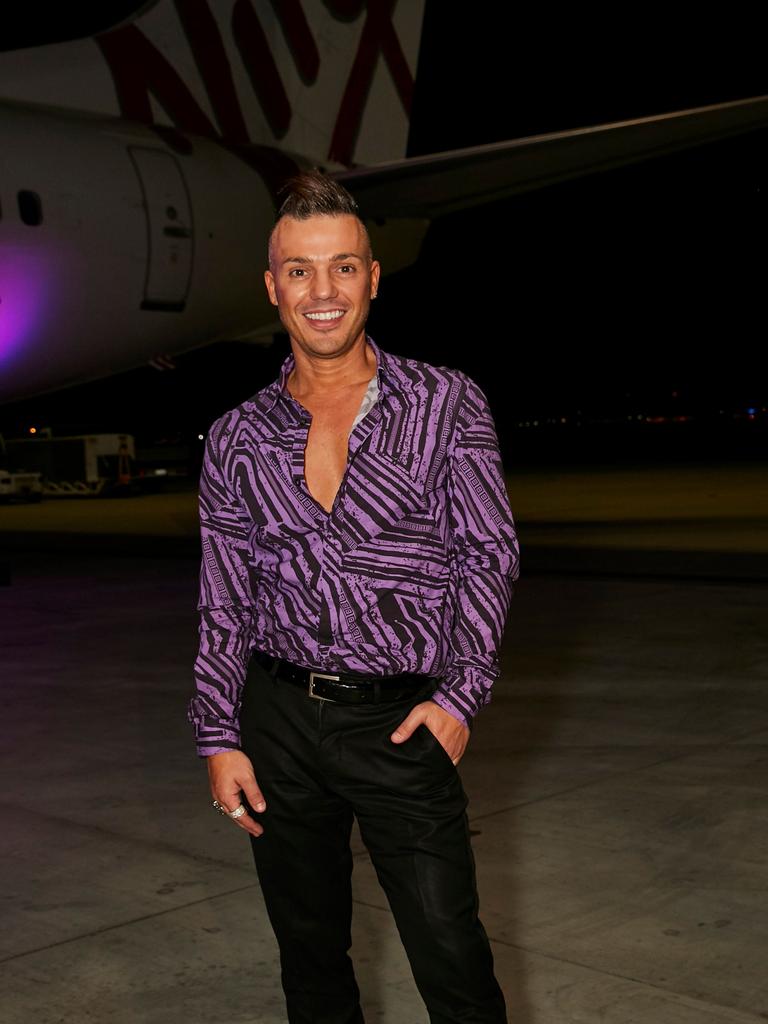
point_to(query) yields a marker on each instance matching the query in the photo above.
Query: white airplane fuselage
(135, 252)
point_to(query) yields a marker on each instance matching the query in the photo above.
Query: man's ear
(375, 274)
(269, 281)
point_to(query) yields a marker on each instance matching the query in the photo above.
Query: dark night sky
(635, 290)
(606, 295)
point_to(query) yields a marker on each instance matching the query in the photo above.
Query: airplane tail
(332, 81)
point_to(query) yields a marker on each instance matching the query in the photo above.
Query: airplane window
(30, 208)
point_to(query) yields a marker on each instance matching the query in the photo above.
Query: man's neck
(311, 376)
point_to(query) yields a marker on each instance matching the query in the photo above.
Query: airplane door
(169, 229)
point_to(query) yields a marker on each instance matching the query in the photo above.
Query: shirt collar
(279, 389)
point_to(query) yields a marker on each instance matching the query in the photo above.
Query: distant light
(751, 412)
(33, 430)
(201, 437)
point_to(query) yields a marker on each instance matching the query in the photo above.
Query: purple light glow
(22, 300)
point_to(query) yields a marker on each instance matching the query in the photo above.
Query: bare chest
(325, 456)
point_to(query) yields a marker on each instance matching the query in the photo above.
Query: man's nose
(323, 285)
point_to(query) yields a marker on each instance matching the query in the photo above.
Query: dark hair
(313, 194)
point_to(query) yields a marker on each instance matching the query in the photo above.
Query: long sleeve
(225, 604)
(486, 559)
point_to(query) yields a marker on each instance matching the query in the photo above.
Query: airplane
(140, 167)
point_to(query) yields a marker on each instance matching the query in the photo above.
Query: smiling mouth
(326, 315)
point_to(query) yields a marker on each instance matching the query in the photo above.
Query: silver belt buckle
(320, 675)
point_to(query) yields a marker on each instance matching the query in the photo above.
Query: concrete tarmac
(617, 786)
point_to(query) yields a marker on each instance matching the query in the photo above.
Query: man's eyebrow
(334, 259)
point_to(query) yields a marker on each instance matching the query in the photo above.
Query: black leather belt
(344, 689)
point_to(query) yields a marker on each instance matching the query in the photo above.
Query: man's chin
(327, 343)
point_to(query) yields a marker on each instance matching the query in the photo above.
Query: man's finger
(253, 793)
(230, 803)
(407, 726)
(249, 824)
(246, 822)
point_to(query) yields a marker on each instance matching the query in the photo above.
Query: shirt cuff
(463, 691)
(215, 737)
(444, 701)
(204, 750)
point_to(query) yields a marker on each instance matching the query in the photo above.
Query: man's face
(321, 279)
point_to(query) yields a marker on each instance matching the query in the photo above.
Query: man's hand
(449, 732)
(229, 773)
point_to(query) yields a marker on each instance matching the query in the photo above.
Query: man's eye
(346, 267)
(296, 272)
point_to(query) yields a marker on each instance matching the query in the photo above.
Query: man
(358, 561)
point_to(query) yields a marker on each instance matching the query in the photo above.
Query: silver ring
(237, 813)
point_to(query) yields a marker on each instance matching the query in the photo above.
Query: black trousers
(318, 763)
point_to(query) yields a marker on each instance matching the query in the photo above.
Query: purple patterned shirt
(411, 571)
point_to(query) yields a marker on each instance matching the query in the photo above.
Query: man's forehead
(320, 237)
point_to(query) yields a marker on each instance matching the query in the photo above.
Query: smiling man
(359, 555)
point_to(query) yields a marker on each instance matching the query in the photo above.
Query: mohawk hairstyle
(314, 194)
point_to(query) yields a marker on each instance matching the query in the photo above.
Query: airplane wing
(427, 186)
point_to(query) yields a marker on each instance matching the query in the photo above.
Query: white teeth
(334, 314)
